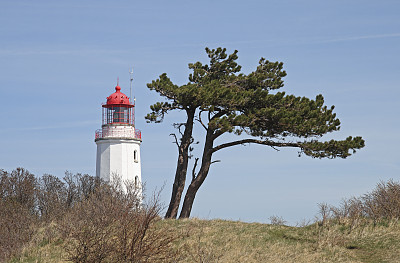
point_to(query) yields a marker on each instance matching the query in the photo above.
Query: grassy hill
(83, 219)
(233, 241)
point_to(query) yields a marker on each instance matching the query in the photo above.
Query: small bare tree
(324, 212)
(277, 220)
(51, 197)
(113, 225)
(88, 228)
(17, 211)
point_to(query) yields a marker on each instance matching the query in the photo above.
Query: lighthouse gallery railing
(136, 134)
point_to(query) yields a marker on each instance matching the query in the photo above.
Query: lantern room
(118, 109)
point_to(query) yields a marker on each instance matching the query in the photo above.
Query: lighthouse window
(136, 181)
(119, 114)
(135, 156)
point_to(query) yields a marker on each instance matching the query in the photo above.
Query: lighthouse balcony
(107, 133)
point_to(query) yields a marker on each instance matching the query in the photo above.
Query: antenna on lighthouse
(131, 79)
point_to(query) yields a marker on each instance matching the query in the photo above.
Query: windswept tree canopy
(239, 103)
(224, 100)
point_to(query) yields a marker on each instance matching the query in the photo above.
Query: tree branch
(178, 126)
(268, 143)
(176, 139)
(194, 169)
(168, 95)
(216, 134)
(201, 122)
(217, 115)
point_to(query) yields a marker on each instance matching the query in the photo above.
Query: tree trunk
(201, 176)
(181, 167)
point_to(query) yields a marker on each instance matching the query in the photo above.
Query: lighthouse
(118, 141)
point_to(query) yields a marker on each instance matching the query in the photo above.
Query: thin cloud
(56, 126)
(355, 38)
(274, 42)
(306, 41)
(27, 52)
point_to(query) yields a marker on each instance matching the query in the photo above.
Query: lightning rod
(131, 79)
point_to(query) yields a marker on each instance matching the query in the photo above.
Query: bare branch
(216, 161)
(178, 126)
(194, 169)
(200, 120)
(176, 139)
(273, 147)
(179, 129)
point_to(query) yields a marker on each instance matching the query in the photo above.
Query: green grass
(233, 241)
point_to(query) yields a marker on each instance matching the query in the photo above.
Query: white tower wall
(119, 156)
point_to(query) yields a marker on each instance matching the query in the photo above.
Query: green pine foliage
(250, 104)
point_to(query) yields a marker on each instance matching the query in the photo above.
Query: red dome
(118, 98)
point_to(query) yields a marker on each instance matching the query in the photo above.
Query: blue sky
(59, 60)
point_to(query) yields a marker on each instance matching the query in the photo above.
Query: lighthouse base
(118, 157)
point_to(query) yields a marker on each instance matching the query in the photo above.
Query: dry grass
(43, 219)
(44, 247)
(227, 241)
(243, 242)
(209, 241)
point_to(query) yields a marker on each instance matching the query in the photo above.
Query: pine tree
(223, 100)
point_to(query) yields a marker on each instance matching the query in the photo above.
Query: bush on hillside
(17, 210)
(98, 221)
(112, 225)
(380, 205)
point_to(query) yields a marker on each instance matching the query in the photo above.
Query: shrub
(277, 220)
(112, 225)
(17, 210)
(380, 205)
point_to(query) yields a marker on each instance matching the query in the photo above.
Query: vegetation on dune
(80, 219)
(229, 241)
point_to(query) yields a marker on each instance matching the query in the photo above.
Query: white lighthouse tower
(118, 141)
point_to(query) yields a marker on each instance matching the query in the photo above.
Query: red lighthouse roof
(118, 98)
